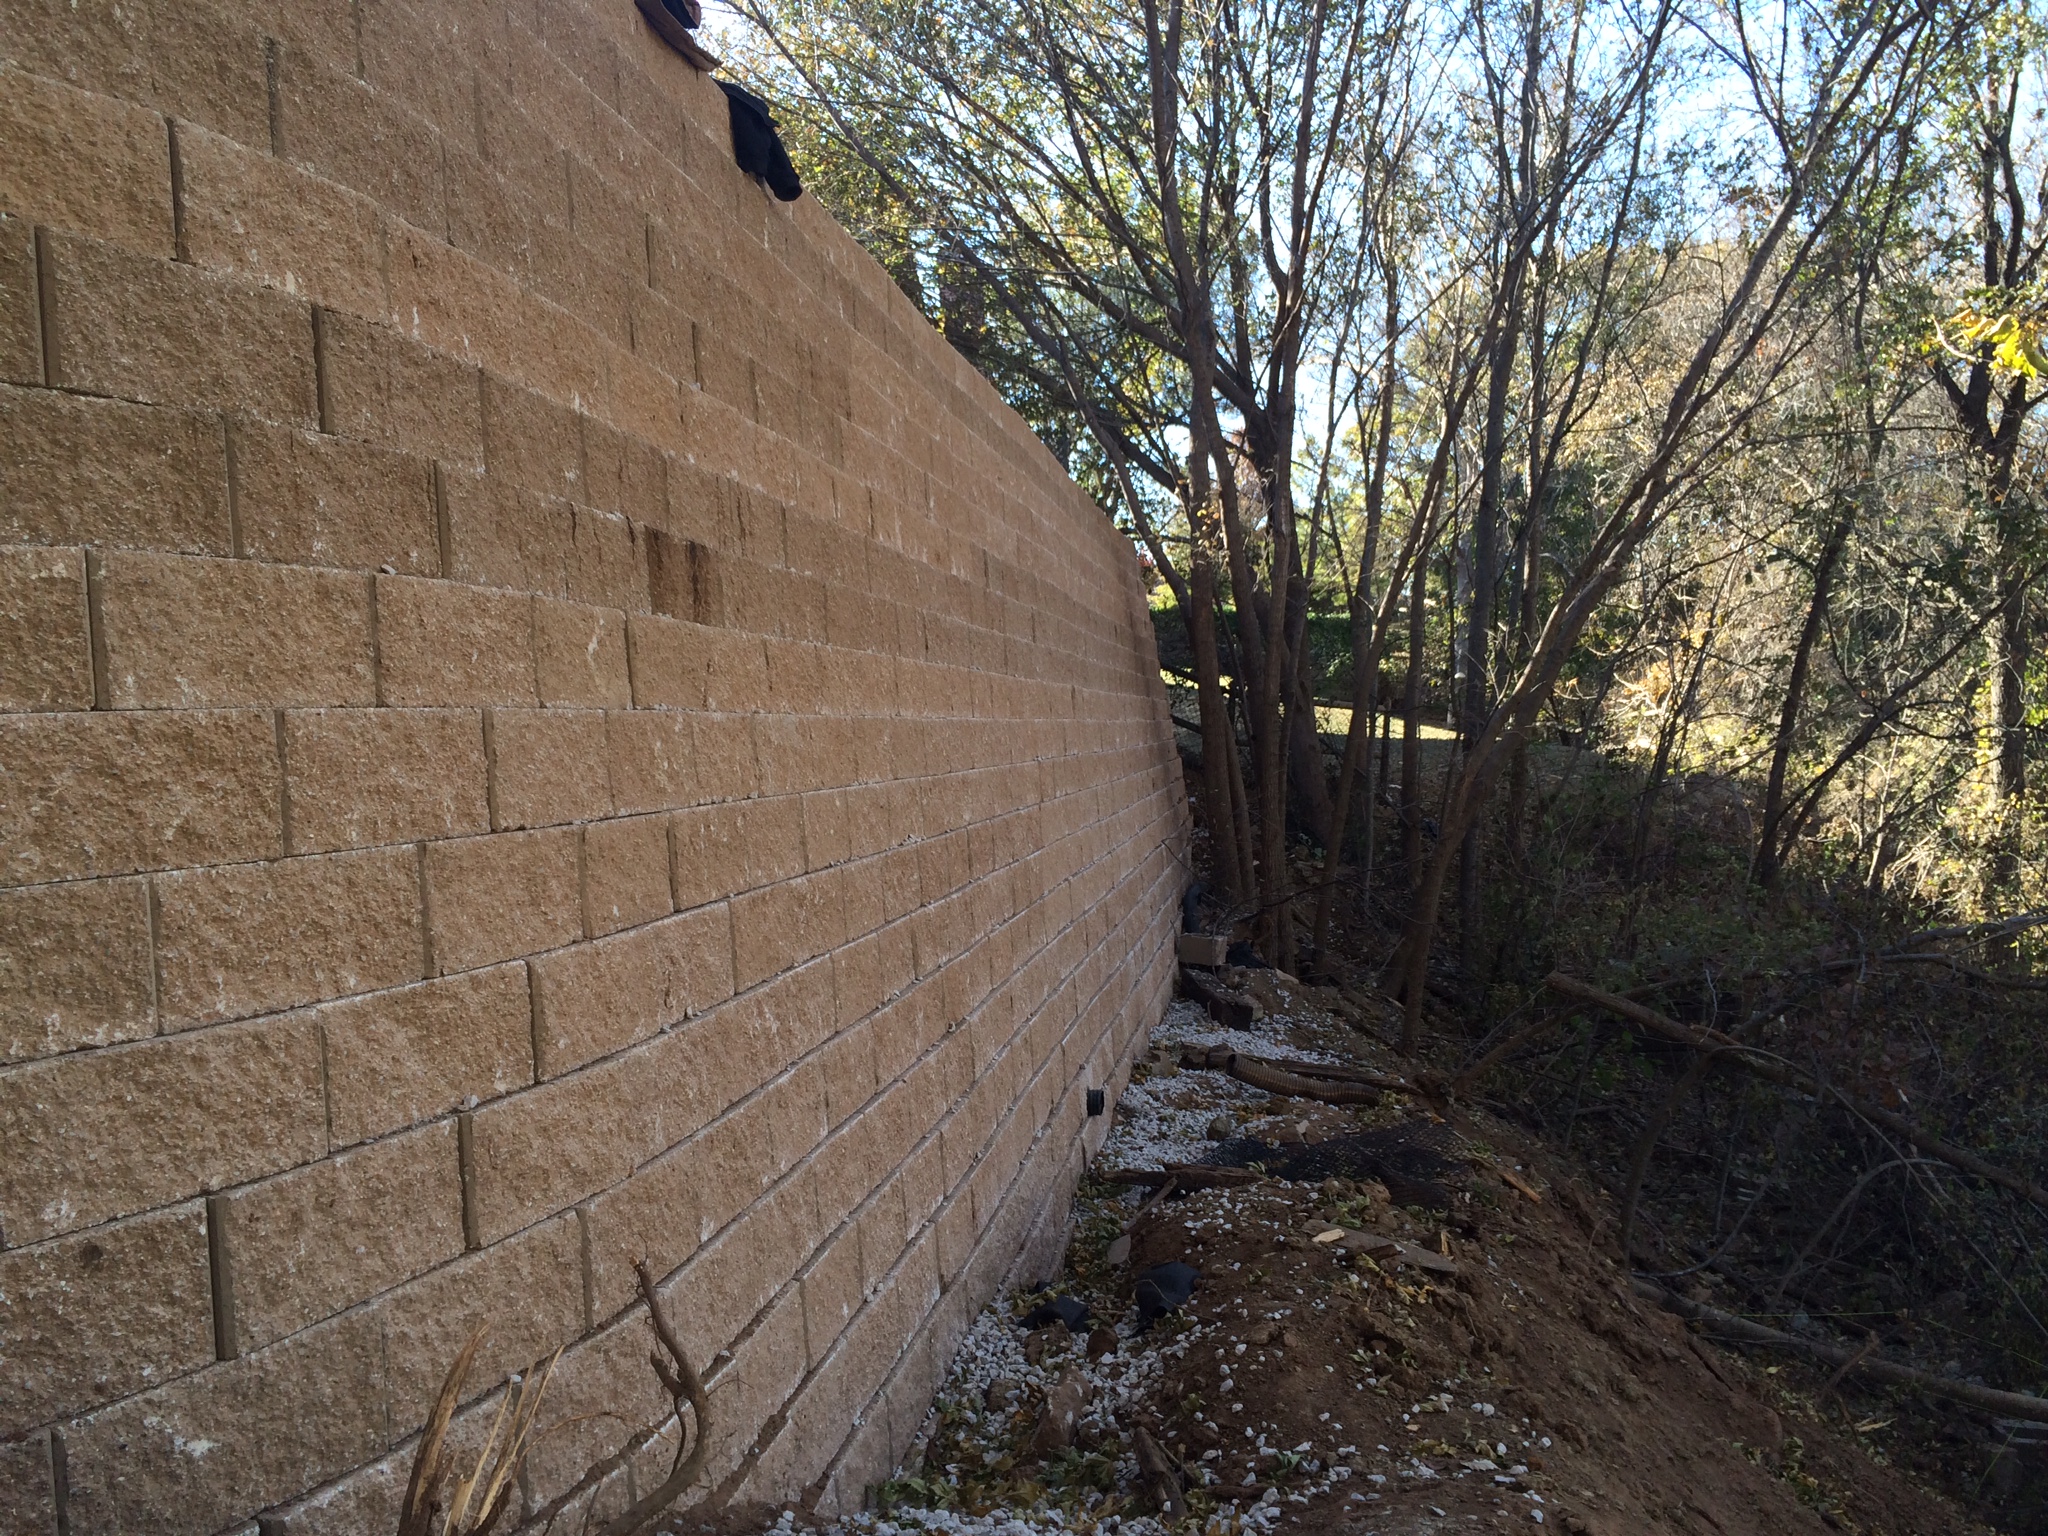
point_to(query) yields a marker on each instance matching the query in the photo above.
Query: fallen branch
(2000, 928)
(681, 1382)
(1331, 1072)
(1460, 1084)
(2016, 1405)
(1185, 1175)
(1770, 1067)
(1974, 973)
(1863, 1352)
(1275, 1079)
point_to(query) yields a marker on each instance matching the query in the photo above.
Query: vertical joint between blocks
(322, 394)
(272, 92)
(96, 630)
(535, 1017)
(444, 532)
(326, 1085)
(583, 881)
(230, 464)
(220, 1272)
(491, 770)
(426, 915)
(179, 247)
(376, 643)
(465, 1150)
(60, 1482)
(46, 310)
(589, 1276)
(284, 781)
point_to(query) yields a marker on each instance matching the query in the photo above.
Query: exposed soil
(1320, 1386)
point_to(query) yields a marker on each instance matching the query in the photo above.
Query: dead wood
(2016, 1405)
(1183, 1175)
(1773, 1069)
(681, 1382)
(1462, 1083)
(1160, 1477)
(477, 1502)
(1352, 1088)
(429, 1462)
(1120, 1249)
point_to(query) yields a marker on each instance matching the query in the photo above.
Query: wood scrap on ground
(1295, 1079)
(1185, 1175)
(1226, 1005)
(1159, 1475)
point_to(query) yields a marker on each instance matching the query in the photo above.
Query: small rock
(1042, 1341)
(1222, 1128)
(1061, 1415)
(1101, 1342)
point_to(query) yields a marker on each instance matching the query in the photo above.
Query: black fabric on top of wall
(755, 145)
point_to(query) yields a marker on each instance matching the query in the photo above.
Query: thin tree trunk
(1218, 748)
(1770, 855)
(1411, 724)
(1367, 632)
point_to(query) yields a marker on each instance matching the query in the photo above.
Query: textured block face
(102, 1134)
(104, 1314)
(149, 329)
(359, 777)
(580, 655)
(183, 633)
(78, 470)
(625, 873)
(544, 721)
(312, 1242)
(408, 1055)
(593, 999)
(492, 898)
(305, 499)
(42, 621)
(75, 967)
(246, 212)
(104, 794)
(445, 643)
(250, 938)
(381, 387)
(82, 161)
(548, 767)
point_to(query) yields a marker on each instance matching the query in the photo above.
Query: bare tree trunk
(1411, 723)
(2010, 650)
(1751, 309)
(1770, 854)
(1218, 747)
(1515, 186)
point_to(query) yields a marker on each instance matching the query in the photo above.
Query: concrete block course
(546, 719)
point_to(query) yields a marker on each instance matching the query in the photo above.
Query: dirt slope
(1493, 1373)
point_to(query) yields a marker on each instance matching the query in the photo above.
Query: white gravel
(1162, 1119)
